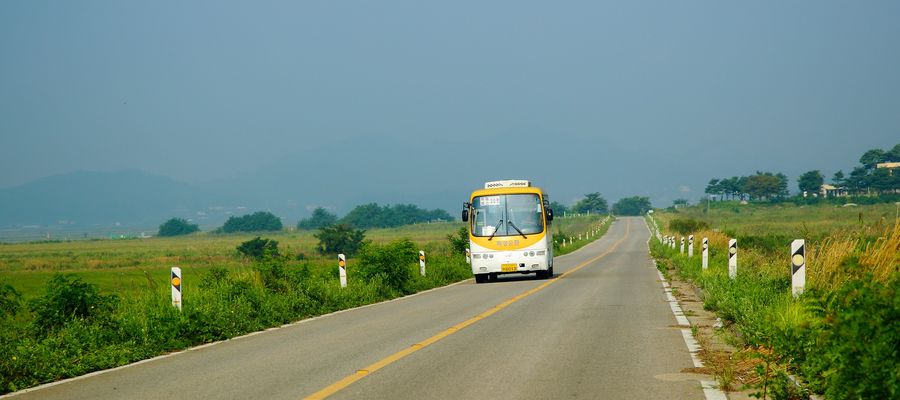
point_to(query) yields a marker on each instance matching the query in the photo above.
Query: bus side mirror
(465, 215)
(549, 214)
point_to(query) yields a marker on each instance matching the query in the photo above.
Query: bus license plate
(509, 267)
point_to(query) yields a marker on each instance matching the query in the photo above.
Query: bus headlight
(531, 253)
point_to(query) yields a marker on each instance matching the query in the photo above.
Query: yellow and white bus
(509, 230)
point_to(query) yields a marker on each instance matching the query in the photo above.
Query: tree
(339, 238)
(872, 157)
(558, 208)
(176, 227)
(635, 205)
(762, 186)
(319, 218)
(811, 182)
(894, 154)
(713, 188)
(593, 203)
(838, 178)
(783, 183)
(679, 202)
(256, 222)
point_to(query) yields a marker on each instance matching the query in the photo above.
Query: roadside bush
(67, 298)
(258, 248)
(857, 354)
(460, 241)
(391, 263)
(177, 227)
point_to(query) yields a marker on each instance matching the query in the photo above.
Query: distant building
(832, 191)
(891, 166)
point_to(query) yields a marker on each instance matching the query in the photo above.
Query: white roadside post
(176, 287)
(691, 246)
(798, 267)
(342, 269)
(422, 262)
(732, 258)
(682, 245)
(705, 253)
(468, 256)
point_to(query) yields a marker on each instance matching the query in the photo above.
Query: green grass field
(128, 266)
(786, 218)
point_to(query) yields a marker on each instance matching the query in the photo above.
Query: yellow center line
(350, 379)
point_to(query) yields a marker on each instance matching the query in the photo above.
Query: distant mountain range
(338, 178)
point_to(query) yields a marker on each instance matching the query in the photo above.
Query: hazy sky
(650, 98)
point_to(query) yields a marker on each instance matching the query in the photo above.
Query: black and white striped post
(342, 269)
(732, 258)
(682, 245)
(468, 256)
(176, 287)
(798, 267)
(422, 262)
(691, 246)
(705, 255)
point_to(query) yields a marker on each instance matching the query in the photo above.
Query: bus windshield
(501, 215)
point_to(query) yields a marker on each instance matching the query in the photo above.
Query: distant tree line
(761, 185)
(867, 178)
(256, 222)
(373, 215)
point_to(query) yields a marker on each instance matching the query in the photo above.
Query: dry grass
(828, 265)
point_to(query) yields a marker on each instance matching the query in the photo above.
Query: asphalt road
(601, 328)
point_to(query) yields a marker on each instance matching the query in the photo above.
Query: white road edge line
(710, 388)
(203, 346)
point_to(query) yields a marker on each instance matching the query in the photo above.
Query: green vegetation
(762, 185)
(258, 248)
(256, 222)
(635, 205)
(319, 218)
(374, 216)
(340, 238)
(841, 335)
(177, 227)
(811, 182)
(592, 203)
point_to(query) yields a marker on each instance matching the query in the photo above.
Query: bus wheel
(481, 278)
(543, 274)
(550, 272)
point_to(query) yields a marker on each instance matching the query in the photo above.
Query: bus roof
(508, 190)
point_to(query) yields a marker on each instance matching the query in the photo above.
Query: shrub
(67, 298)
(258, 248)
(339, 238)
(256, 222)
(176, 227)
(460, 241)
(390, 263)
(857, 353)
